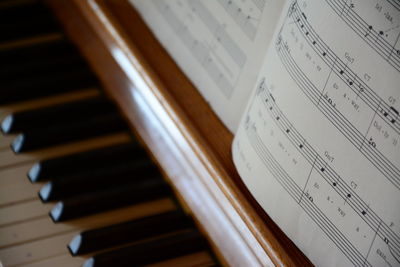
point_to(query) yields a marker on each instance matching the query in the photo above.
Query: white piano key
(24, 211)
(64, 260)
(15, 186)
(43, 227)
(35, 250)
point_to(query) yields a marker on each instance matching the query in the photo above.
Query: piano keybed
(59, 131)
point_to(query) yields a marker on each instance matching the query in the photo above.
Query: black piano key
(110, 198)
(45, 85)
(83, 161)
(23, 11)
(25, 21)
(153, 251)
(71, 186)
(58, 114)
(38, 72)
(39, 67)
(128, 232)
(36, 53)
(64, 133)
(60, 73)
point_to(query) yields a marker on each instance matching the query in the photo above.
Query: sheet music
(218, 44)
(318, 145)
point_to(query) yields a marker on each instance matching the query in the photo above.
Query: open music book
(311, 90)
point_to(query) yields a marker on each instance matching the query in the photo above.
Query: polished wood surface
(179, 128)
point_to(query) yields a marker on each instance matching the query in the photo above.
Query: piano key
(9, 158)
(14, 175)
(22, 212)
(83, 161)
(25, 21)
(128, 232)
(32, 40)
(63, 260)
(41, 227)
(27, 237)
(73, 80)
(40, 76)
(24, 60)
(11, 3)
(15, 10)
(35, 250)
(49, 101)
(192, 260)
(98, 179)
(36, 51)
(14, 187)
(40, 68)
(18, 192)
(66, 133)
(22, 233)
(46, 246)
(58, 114)
(152, 251)
(112, 198)
(5, 140)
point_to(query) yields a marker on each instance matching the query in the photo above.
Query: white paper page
(318, 145)
(218, 44)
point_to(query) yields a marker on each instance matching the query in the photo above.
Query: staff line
(332, 232)
(340, 123)
(342, 71)
(356, 202)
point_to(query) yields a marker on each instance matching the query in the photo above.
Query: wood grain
(179, 128)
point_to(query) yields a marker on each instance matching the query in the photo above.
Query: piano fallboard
(177, 125)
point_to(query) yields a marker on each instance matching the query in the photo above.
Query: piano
(165, 113)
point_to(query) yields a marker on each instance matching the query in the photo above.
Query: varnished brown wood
(178, 126)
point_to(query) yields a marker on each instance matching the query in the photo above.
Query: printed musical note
(333, 157)
(349, 76)
(368, 32)
(392, 114)
(245, 14)
(374, 38)
(332, 178)
(221, 73)
(390, 171)
(357, 138)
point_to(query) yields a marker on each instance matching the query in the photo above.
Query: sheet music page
(318, 145)
(218, 44)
